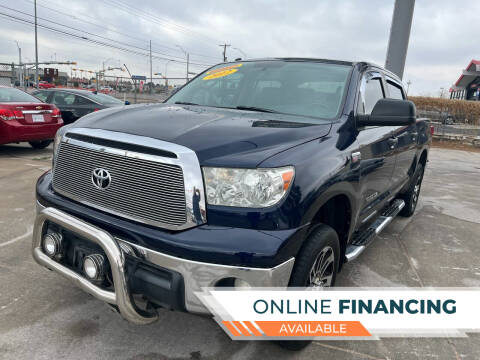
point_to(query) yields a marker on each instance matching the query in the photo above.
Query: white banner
(361, 313)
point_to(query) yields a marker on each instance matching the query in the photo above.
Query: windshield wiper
(254, 108)
(184, 103)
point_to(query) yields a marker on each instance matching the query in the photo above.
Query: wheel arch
(336, 211)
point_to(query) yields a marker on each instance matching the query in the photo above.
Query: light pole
(36, 45)
(187, 55)
(241, 52)
(166, 79)
(103, 68)
(20, 77)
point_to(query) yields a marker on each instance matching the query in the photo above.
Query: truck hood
(220, 137)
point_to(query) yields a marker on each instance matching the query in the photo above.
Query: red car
(23, 117)
(45, 85)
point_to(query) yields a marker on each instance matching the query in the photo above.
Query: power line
(94, 41)
(158, 20)
(75, 17)
(89, 33)
(78, 18)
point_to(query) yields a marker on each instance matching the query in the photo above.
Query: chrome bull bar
(120, 297)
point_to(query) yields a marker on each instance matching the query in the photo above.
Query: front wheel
(42, 144)
(315, 266)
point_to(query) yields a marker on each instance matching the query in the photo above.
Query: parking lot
(43, 316)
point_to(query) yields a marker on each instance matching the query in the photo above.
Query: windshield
(104, 99)
(310, 89)
(15, 95)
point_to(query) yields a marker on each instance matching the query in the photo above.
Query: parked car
(74, 103)
(448, 120)
(45, 85)
(23, 117)
(258, 173)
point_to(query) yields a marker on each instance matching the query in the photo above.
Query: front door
(376, 149)
(405, 138)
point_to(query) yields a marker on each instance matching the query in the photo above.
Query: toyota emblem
(101, 178)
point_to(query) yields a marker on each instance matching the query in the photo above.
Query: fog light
(94, 267)
(51, 244)
(239, 283)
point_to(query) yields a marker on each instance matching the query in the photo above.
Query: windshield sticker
(221, 72)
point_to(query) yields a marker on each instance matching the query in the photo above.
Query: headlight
(58, 139)
(247, 187)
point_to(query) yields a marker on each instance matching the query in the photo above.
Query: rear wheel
(315, 266)
(41, 144)
(413, 193)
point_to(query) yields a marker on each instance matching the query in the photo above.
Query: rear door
(405, 138)
(375, 146)
(65, 102)
(84, 106)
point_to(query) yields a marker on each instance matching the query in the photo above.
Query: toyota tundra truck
(259, 173)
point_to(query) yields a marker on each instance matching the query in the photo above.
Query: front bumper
(196, 275)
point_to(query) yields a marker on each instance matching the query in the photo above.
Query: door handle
(392, 142)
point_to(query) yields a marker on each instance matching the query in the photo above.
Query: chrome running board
(362, 240)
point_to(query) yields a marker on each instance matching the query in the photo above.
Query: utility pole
(408, 86)
(399, 36)
(224, 51)
(151, 77)
(36, 45)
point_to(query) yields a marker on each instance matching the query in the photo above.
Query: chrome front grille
(141, 188)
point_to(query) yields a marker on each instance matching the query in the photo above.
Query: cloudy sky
(442, 42)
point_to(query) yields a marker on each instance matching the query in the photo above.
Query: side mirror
(127, 102)
(389, 112)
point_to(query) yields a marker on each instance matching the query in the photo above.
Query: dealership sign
(344, 313)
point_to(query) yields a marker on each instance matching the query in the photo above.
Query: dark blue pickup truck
(270, 172)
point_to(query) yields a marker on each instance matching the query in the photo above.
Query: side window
(371, 90)
(80, 100)
(42, 95)
(61, 98)
(394, 91)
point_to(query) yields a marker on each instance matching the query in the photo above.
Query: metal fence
(156, 89)
(7, 74)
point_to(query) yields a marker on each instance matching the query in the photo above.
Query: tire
(41, 144)
(323, 241)
(413, 193)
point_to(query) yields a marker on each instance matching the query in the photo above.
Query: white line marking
(27, 233)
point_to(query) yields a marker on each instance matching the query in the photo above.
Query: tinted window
(15, 95)
(104, 99)
(63, 98)
(42, 95)
(80, 100)
(395, 92)
(371, 90)
(311, 89)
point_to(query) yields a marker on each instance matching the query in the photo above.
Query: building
(467, 86)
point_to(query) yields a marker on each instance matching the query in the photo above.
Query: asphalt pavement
(43, 316)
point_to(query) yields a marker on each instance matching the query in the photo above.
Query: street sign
(139, 77)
